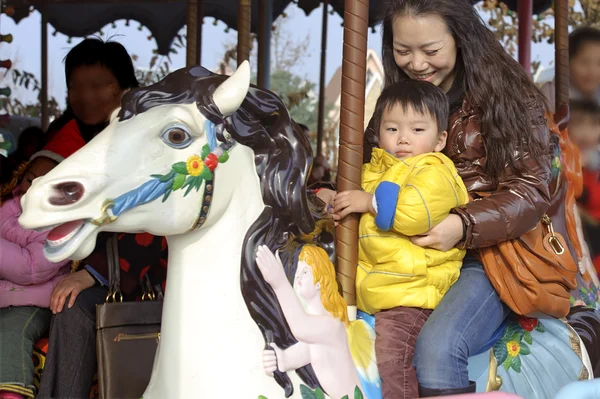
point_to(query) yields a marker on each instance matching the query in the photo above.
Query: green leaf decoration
(525, 350)
(205, 151)
(319, 393)
(180, 167)
(527, 337)
(540, 327)
(178, 182)
(224, 158)
(262, 397)
(307, 393)
(517, 336)
(189, 181)
(508, 362)
(510, 330)
(516, 364)
(167, 177)
(191, 186)
(206, 173)
(358, 393)
(500, 351)
(166, 195)
(345, 397)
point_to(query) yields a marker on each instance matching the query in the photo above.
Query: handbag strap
(114, 269)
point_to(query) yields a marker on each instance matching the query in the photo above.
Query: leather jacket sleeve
(517, 205)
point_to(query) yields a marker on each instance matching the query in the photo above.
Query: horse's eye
(176, 137)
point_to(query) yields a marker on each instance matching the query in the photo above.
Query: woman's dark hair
(580, 36)
(111, 55)
(423, 97)
(498, 86)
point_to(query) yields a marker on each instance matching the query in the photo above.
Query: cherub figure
(320, 326)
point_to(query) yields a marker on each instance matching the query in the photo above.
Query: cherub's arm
(306, 328)
(294, 357)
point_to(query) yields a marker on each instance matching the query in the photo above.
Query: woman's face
(424, 49)
(94, 93)
(585, 69)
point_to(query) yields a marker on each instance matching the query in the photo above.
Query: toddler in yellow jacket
(408, 188)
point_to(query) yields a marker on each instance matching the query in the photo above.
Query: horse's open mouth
(63, 240)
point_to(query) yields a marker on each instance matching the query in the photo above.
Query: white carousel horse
(219, 169)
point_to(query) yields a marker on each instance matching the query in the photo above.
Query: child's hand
(326, 195)
(71, 285)
(271, 267)
(348, 202)
(272, 360)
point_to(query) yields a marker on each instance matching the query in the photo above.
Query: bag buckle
(553, 240)
(114, 297)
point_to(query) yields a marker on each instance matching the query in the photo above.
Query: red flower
(211, 161)
(144, 239)
(124, 265)
(527, 323)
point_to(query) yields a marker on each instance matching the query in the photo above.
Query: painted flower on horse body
(515, 342)
(193, 172)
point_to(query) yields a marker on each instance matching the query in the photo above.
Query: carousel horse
(218, 167)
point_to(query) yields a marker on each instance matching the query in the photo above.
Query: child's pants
(20, 328)
(397, 330)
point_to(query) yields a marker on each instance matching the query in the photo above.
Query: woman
(496, 147)
(98, 74)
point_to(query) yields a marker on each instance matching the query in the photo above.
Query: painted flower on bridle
(193, 172)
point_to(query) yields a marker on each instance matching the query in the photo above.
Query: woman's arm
(515, 208)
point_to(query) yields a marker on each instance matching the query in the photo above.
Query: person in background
(98, 73)
(27, 279)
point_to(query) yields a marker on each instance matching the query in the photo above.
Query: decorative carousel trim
(575, 344)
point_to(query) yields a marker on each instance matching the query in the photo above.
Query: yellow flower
(194, 165)
(513, 348)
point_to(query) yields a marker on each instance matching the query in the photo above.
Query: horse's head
(150, 170)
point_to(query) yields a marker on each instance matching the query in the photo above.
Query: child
(408, 187)
(26, 283)
(584, 131)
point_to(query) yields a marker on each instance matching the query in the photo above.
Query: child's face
(584, 131)
(408, 134)
(585, 69)
(39, 167)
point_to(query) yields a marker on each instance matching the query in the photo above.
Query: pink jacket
(27, 278)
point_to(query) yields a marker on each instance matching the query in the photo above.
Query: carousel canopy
(164, 18)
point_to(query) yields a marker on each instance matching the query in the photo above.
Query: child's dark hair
(423, 97)
(111, 55)
(580, 36)
(588, 108)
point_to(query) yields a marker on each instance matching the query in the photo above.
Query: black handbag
(127, 335)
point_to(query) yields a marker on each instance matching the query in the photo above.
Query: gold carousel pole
(356, 15)
(244, 45)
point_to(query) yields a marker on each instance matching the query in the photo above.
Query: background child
(27, 279)
(408, 187)
(584, 131)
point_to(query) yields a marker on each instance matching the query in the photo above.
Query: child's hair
(588, 109)
(422, 97)
(111, 55)
(580, 36)
(497, 84)
(324, 273)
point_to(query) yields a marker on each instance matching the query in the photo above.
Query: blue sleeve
(97, 276)
(386, 196)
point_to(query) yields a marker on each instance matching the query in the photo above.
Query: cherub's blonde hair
(324, 273)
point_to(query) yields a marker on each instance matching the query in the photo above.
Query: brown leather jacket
(516, 203)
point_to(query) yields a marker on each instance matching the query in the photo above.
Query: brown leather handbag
(127, 336)
(534, 273)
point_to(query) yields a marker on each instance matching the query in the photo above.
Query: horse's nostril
(67, 193)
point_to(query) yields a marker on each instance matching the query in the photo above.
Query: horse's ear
(114, 114)
(231, 93)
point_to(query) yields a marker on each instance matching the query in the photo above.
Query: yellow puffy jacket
(412, 196)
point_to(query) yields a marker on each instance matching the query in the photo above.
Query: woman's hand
(352, 201)
(444, 236)
(72, 285)
(271, 267)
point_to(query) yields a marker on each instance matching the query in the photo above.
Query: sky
(25, 50)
